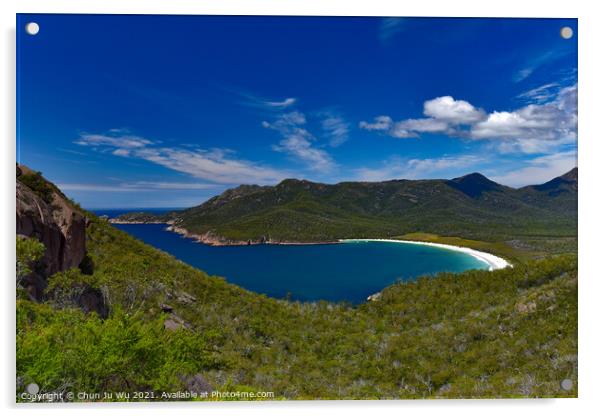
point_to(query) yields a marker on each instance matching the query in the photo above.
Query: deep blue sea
(335, 272)
(116, 212)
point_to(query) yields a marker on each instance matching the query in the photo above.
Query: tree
(29, 251)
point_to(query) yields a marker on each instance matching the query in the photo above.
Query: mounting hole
(566, 32)
(566, 384)
(32, 28)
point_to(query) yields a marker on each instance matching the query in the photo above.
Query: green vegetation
(134, 319)
(28, 252)
(507, 333)
(38, 185)
(502, 249)
(470, 207)
(141, 217)
(67, 350)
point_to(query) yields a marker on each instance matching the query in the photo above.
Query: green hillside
(470, 207)
(479, 334)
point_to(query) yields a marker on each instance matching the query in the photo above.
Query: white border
(590, 207)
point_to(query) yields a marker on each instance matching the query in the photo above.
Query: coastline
(114, 221)
(494, 262)
(211, 239)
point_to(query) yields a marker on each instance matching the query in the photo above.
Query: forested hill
(471, 206)
(165, 326)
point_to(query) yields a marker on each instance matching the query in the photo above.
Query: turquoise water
(335, 272)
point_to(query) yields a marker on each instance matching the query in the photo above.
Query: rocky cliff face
(56, 223)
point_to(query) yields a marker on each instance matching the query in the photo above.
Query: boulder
(185, 298)
(92, 300)
(175, 322)
(196, 383)
(166, 308)
(58, 225)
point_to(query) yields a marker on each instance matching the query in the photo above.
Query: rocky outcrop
(196, 383)
(57, 224)
(210, 238)
(92, 300)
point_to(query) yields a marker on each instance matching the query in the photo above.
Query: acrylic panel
(283, 208)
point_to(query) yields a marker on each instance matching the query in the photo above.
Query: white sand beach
(494, 262)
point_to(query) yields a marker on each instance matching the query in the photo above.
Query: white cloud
(215, 165)
(535, 128)
(138, 186)
(523, 74)
(420, 125)
(538, 62)
(335, 128)
(121, 152)
(297, 142)
(445, 114)
(453, 111)
(398, 168)
(299, 146)
(539, 170)
(113, 139)
(381, 123)
(540, 94)
(211, 166)
(281, 104)
(252, 100)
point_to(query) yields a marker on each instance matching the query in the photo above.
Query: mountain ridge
(303, 211)
(167, 327)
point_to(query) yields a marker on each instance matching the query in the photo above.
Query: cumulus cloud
(444, 113)
(453, 111)
(215, 165)
(298, 142)
(547, 123)
(535, 127)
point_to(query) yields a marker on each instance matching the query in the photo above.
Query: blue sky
(167, 111)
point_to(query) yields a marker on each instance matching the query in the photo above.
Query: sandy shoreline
(494, 262)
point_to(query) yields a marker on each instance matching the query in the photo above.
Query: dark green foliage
(66, 350)
(478, 334)
(38, 185)
(29, 251)
(142, 217)
(470, 207)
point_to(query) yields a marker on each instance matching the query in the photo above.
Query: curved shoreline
(494, 262)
